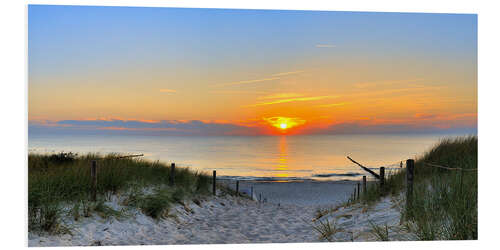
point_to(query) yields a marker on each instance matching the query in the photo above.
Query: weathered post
(364, 183)
(401, 165)
(172, 174)
(213, 182)
(260, 197)
(237, 188)
(251, 193)
(93, 174)
(382, 177)
(358, 188)
(410, 167)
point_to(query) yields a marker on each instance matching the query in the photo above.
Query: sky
(249, 72)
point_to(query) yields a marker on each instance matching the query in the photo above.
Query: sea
(259, 158)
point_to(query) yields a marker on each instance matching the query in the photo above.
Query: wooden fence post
(410, 167)
(364, 183)
(93, 174)
(237, 188)
(382, 176)
(251, 193)
(213, 182)
(358, 188)
(172, 174)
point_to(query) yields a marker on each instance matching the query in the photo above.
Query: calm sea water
(318, 157)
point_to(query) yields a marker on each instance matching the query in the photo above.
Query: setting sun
(284, 123)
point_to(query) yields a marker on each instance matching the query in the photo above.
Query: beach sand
(302, 193)
(356, 222)
(287, 216)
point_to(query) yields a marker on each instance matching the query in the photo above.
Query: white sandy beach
(302, 193)
(229, 219)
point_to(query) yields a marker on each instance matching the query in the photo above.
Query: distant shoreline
(303, 193)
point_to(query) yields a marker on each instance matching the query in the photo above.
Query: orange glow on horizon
(283, 124)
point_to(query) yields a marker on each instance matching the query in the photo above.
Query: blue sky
(211, 65)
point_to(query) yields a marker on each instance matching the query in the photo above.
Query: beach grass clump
(320, 212)
(45, 217)
(155, 205)
(158, 203)
(444, 201)
(54, 181)
(327, 229)
(105, 211)
(380, 232)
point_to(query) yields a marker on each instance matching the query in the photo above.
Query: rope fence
(410, 168)
(448, 168)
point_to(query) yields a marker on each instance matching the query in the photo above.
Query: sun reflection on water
(282, 158)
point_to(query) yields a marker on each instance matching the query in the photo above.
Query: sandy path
(230, 219)
(243, 221)
(219, 220)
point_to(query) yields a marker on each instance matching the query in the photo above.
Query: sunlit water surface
(281, 158)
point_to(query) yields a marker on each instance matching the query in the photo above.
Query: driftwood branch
(365, 168)
(129, 156)
(118, 157)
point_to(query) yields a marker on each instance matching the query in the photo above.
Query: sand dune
(225, 219)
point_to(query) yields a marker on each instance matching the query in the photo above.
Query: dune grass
(54, 181)
(380, 232)
(444, 205)
(327, 229)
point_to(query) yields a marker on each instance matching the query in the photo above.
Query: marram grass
(54, 181)
(444, 204)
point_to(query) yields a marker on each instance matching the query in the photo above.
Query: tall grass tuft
(381, 233)
(327, 229)
(444, 205)
(54, 180)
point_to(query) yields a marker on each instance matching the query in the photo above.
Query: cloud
(425, 116)
(289, 121)
(464, 123)
(332, 104)
(385, 83)
(413, 90)
(280, 95)
(289, 73)
(325, 46)
(246, 82)
(298, 99)
(168, 91)
(168, 127)
(393, 128)
(272, 77)
(233, 92)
